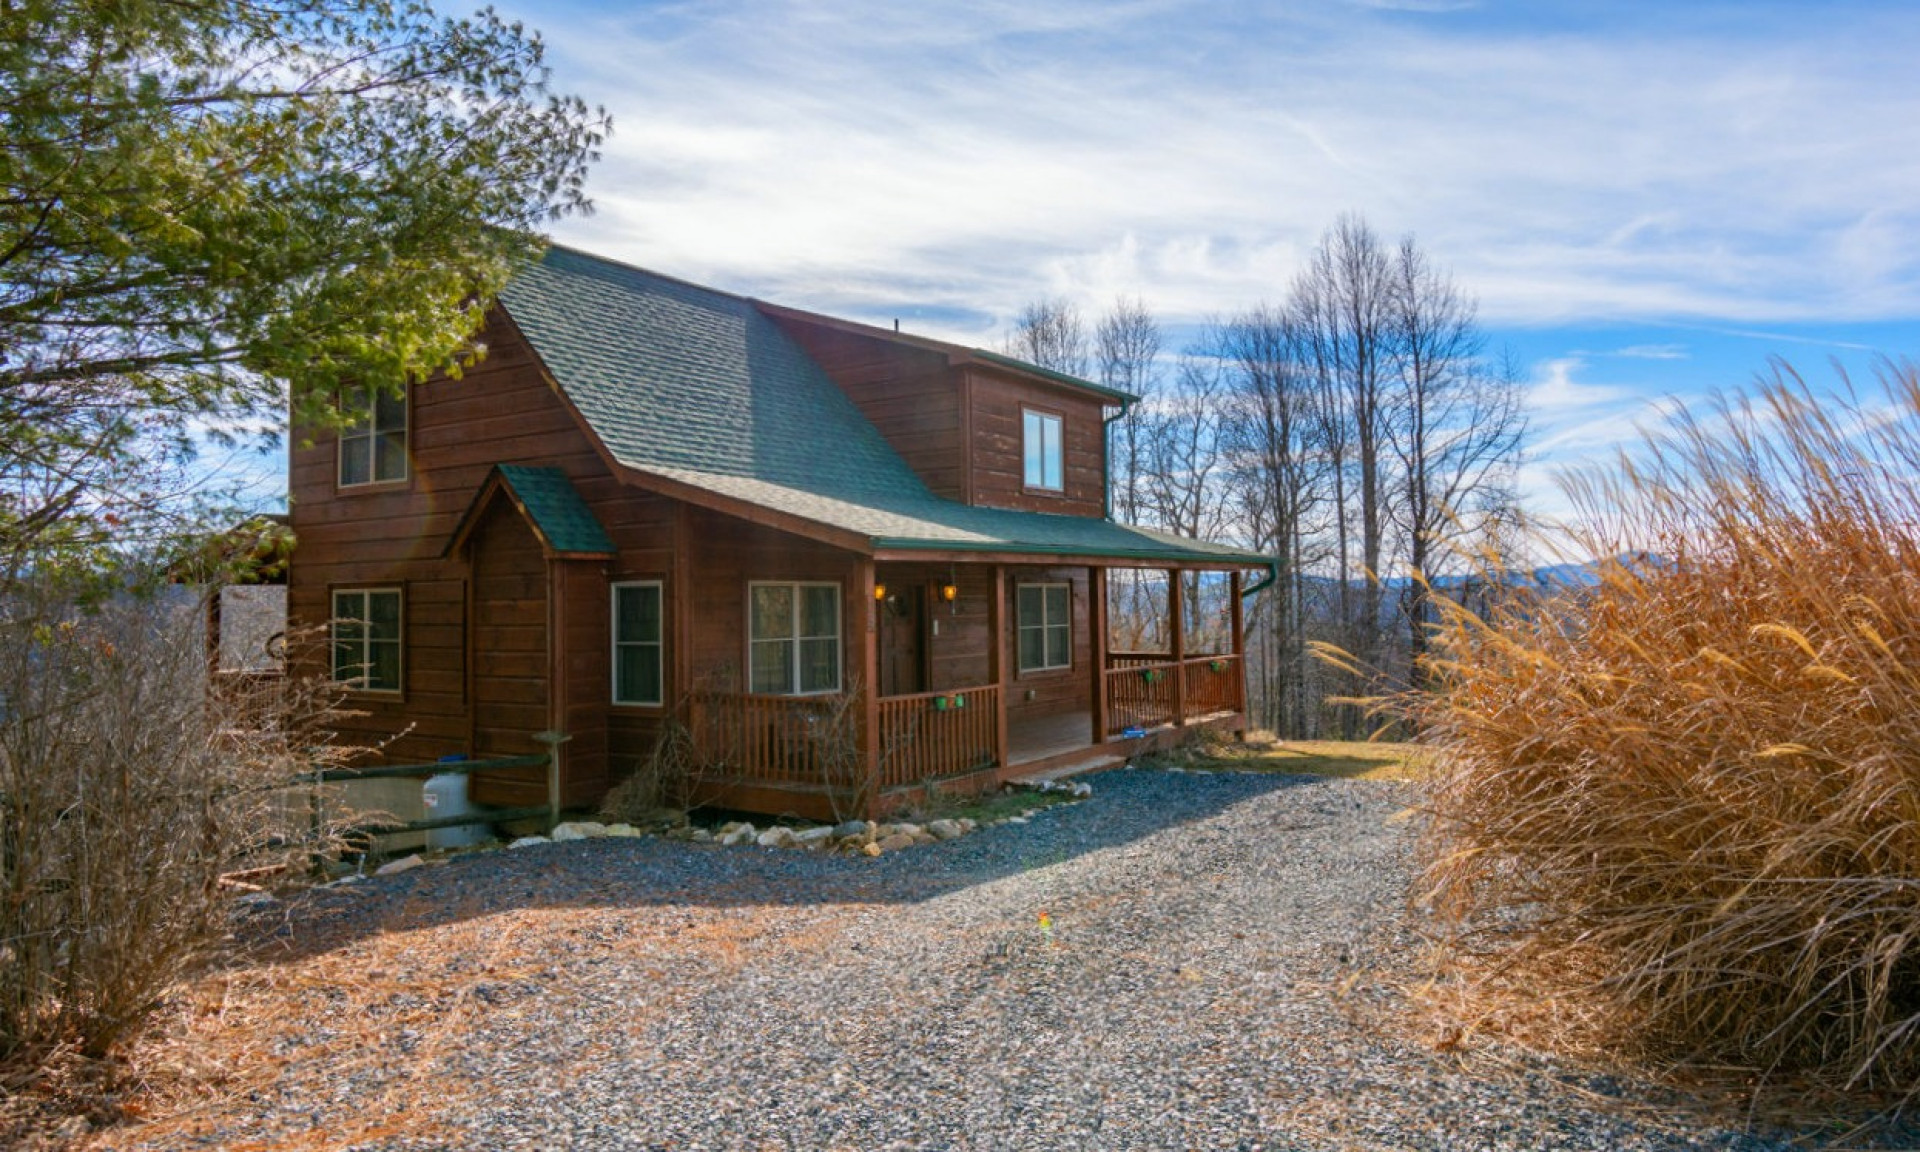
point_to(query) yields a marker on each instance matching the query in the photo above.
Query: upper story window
(637, 644)
(1040, 437)
(793, 646)
(373, 447)
(366, 638)
(1045, 623)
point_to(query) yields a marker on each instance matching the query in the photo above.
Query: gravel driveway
(1208, 982)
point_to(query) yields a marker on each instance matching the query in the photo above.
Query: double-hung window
(793, 643)
(1040, 440)
(637, 644)
(1046, 626)
(373, 445)
(366, 638)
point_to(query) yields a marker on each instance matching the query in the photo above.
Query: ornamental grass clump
(1683, 804)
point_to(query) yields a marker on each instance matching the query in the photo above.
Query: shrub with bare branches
(1689, 798)
(129, 786)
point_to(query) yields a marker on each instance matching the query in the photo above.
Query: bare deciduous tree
(1050, 333)
(1453, 423)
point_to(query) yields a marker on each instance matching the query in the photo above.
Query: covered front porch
(984, 673)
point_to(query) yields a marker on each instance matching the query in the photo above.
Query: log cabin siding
(911, 395)
(998, 476)
(503, 411)
(1060, 690)
(728, 554)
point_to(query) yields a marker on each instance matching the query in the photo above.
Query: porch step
(1061, 767)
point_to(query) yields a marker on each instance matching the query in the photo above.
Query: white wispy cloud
(1735, 164)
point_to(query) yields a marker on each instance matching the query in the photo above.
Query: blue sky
(1648, 199)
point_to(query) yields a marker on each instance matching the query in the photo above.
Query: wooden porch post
(557, 781)
(997, 660)
(1097, 625)
(1237, 625)
(1178, 633)
(867, 635)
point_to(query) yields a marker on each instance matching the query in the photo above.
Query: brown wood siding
(727, 555)
(957, 638)
(510, 654)
(910, 394)
(996, 459)
(1059, 690)
(501, 412)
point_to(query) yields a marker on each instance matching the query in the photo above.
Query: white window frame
(1022, 625)
(1047, 473)
(360, 613)
(366, 426)
(617, 642)
(794, 636)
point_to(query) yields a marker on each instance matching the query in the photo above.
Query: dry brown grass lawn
(1347, 759)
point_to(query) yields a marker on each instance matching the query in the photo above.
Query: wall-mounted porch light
(879, 592)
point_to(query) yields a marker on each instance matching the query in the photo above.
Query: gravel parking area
(1221, 956)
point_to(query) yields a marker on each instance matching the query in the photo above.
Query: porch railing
(780, 739)
(1148, 689)
(813, 740)
(932, 734)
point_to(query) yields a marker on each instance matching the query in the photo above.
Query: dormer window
(373, 447)
(1041, 439)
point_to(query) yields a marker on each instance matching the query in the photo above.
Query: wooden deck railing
(780, 739)
(933, 734)
(1148, 689)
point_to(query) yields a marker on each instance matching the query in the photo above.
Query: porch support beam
(867, 636)
(997, 660)
(1177, 633)
(1097, 628)
(1237, 622)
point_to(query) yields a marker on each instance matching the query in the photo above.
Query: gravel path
(1212, 967)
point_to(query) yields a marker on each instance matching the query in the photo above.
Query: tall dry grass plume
(1686, 802)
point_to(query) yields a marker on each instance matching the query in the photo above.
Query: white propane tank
(446, 795)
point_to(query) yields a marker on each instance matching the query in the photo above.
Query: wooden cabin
(853, 564)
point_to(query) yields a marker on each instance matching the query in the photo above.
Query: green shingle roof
(562, 520)
(702, 388)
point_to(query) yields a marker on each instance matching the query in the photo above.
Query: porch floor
(1046, 737)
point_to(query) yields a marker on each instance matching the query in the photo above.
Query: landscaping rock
(851, 828)
(578, 830)
(871, 848)
(895, 842)
(528, 842)
(776, 837)
(395, 867)
(813, 837)
(624, 831)
(946, 829)
(741, 834)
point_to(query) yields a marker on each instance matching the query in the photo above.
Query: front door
(902, 651)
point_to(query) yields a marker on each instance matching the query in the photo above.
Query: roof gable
(560, 520)
(702, 390)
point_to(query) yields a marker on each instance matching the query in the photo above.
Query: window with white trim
(373, 447)
(367, 638)
(793, 638)
(637, 645)
(1040, 438)
(1045, 625)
